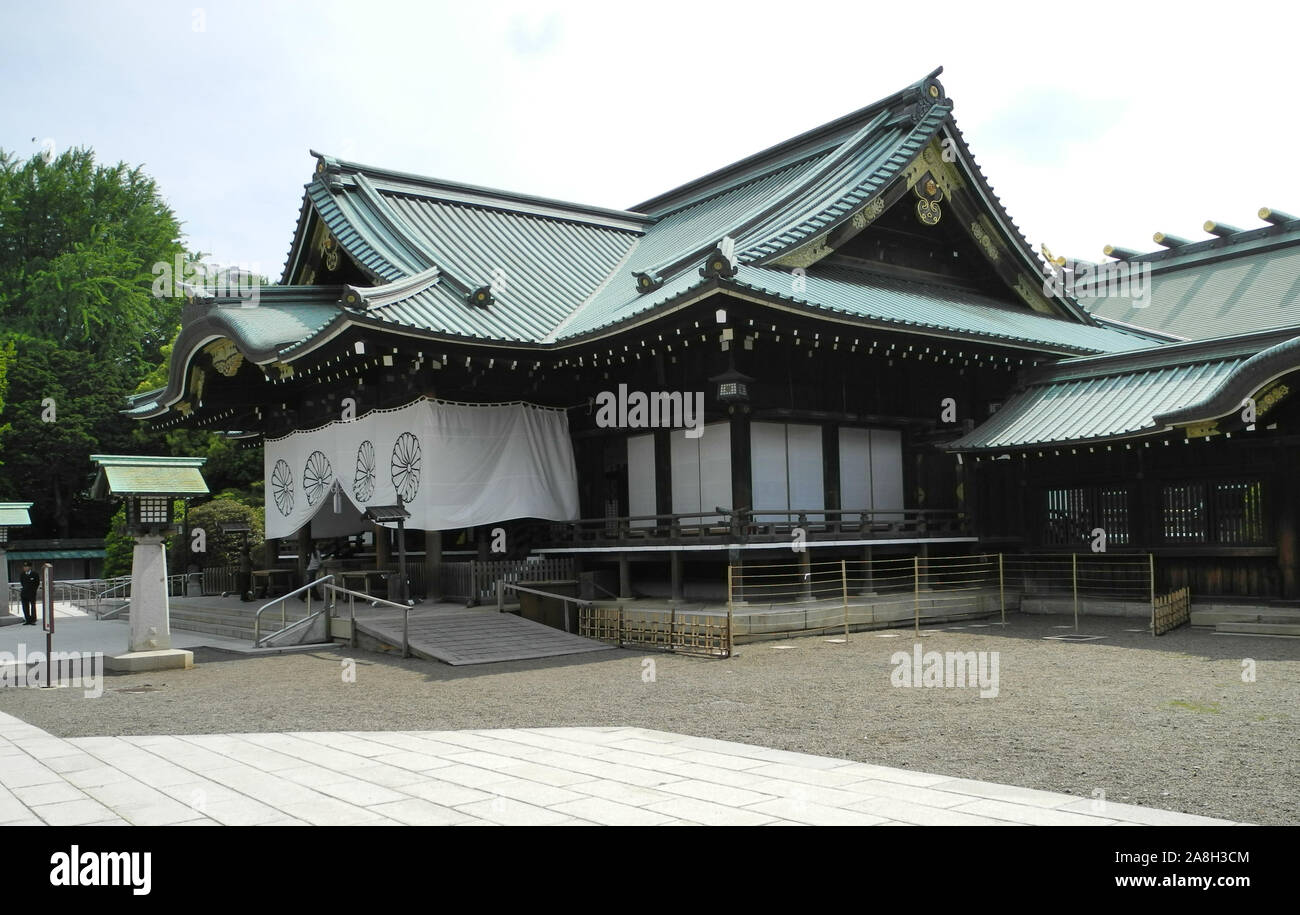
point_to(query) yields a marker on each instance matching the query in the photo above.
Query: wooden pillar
(433, 565)
(868, 576)
(805, 575)
(923, 552)
(831, 468)
(270, 552)
(663, 472)
(1286, 535)
(304, 552)
(678, 591)
(383, 553)
(742, 468)
(624, 577)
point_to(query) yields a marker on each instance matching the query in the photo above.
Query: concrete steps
(1222, 613)
(1282, 630)
(236, 622)
(1248, 620)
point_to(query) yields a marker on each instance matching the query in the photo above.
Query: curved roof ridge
(835, 210)
(765, 161)
(463, 192)
(370, 297)
(756, 214)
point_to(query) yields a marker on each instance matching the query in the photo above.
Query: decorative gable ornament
(721, 261)
(226, 357)
(646, 282)
(481, 297)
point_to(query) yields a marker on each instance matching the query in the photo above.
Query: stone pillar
(150, 608)
(624, 577)
(433, 564)
(4, 579)
(676, 560)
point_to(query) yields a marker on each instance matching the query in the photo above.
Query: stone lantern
(149, 486)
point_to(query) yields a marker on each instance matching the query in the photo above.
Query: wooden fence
(1169, 611)
(476, 581)
(704, 634)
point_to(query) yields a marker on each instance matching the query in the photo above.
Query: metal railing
(93, 594)
(842, 595)
(282, 601)
(329, 604)
(373, 601)
(502, 585)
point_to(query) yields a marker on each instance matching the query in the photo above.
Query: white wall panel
(804, 459)
(768, 465)
(641, 491)
(855, 468)
(886, 469)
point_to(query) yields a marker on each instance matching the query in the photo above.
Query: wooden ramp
(455, 635)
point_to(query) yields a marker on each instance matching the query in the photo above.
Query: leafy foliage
(224, 550)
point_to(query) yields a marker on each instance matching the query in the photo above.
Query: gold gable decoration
(226, 357)
(985, 240)
(197, 379)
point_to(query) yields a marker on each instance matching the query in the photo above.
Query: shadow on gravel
(1204, 643)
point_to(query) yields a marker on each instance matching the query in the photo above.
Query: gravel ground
(1163, 722)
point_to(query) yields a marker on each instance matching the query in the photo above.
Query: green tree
(78, 245)
(79, 323)
(6, 359)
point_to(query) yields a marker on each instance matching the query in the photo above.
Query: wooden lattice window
(1238, 508)
(1073, 514)
(1227, 512)
(1183, 517)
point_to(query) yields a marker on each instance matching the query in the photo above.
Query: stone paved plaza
(541, 776)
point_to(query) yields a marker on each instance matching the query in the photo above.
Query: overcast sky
(1096, 123)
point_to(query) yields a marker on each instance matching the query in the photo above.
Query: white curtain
(455, 465)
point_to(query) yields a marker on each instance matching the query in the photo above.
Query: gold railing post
(1002, 590)
(1074, 576)
(916, 595)
(730, 617)
(1151, 569)
(844, 581)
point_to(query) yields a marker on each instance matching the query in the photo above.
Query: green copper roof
(126, 475)
(21, 555)
(15, 514)
(1247, 280)
(1143, 392)
(561, 273)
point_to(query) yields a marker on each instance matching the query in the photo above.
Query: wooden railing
(762, 526)
(476, 581)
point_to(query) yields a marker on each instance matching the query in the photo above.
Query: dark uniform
(29, 580)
